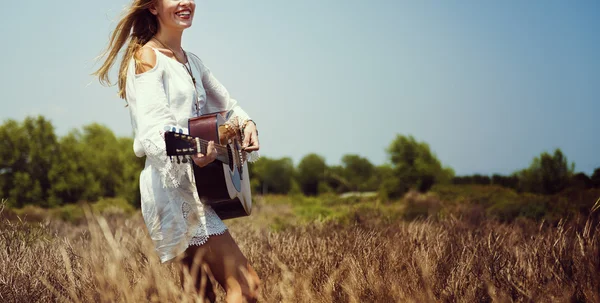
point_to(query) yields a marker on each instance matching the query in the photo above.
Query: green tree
(335, 177)
(94, 163)
(103, 160)
(71, 179)
(547, 174)
(28, 151)
(311, 173)
(359, 172)
(388, 182)
(132, 166)
(12, 144)
(273, 175)
(415, 166)
(511, 181)
(581, 181)
(37, 168)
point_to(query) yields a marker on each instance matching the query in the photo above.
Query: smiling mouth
(183, 14)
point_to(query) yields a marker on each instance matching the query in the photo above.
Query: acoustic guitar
(224, 184)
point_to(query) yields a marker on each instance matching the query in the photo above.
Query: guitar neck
(222, 151)
(181, 144)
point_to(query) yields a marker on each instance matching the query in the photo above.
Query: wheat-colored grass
(110, 259)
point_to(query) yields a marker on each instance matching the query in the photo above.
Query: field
(310, 254)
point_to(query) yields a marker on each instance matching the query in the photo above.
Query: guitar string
(224, 151)
(204, 143)
(223, 148)
(204, 146)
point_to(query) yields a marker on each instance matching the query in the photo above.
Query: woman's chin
(180, 24)
(185, 25)
(183, 22)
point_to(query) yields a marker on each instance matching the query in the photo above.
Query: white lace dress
(165, 95)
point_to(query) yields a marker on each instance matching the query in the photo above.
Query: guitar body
(223, 186)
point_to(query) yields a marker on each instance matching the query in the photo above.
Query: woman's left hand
(250, 137)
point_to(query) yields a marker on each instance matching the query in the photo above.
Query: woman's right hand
(211, 154)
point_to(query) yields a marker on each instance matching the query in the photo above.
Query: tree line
(85, 165)
(411, 165)
(547, 174)
(90, 163)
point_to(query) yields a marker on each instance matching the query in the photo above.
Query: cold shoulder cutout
(146, 60)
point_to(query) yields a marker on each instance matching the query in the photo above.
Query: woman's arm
(152, 114)
(218, 99)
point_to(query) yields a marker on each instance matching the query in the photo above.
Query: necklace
(187, 66)
(188, 69)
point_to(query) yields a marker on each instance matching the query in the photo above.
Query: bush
(547, 174)
(415, 166)
(111, 206)
(418, 205)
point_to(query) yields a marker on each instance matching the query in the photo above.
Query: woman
(165, 85)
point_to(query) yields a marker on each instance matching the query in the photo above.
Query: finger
(210, 148)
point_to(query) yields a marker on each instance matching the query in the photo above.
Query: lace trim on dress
(199, 240)
(171, 173)
(213, 225)
(201, 231)
(253, 156)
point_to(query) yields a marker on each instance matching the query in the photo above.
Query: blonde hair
(137, 26)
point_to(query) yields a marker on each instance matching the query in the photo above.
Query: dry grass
(110, 259)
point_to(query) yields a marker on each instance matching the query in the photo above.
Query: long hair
(136, 27)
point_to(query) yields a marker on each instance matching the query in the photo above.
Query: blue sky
(488, 85)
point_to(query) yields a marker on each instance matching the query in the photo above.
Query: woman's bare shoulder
(145, 59)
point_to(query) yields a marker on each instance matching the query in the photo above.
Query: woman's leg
(230, 268)
(196, 269)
